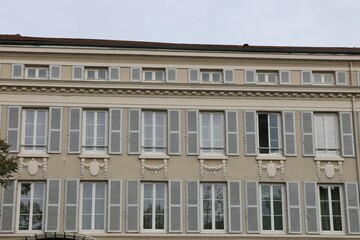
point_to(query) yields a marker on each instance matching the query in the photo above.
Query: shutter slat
(174, 141)
(250, 76)
(135, 74)
(132, 205)
(53, 205)
(294, 211)
(175, 208)
(7, 217)
(250, 133)
(192, 206)
(347, 138)
(306, 77)
(341, 78)
(192, 147)
(78, 72)
(74, 130)
(134, 131)
(17, 71)
(229, 76)
(307, 129)
(13, 128)
(232, 144)
(234, 200)
(55, 129)
(289, 134)
(115, 131)
(285, 77)
(55, 72)
(252, 207)
(311, 208)
(171, 75)
(352, 207)
(114, 209)
(114, 73)
(71, 205)
(194, 75)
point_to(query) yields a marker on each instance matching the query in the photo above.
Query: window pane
(159, 224)
(263, 133)
(216, 77)
(317, 78)
(102, 74)
(159, 75)
(272, 77)
(325, 223)
(219, 222)
(328, 78)
(261, 78)
(42, 73)
(148, 76)
(147, 222)
(86, 222)
(31, 73)
(278, 223)
(266, 222)
(91, 74)
(99, 222)
(337, 223)
(205, 77)
(24, 222)
(207, 221)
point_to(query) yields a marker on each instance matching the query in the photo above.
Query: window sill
(270, 157)
(94, 155)
(328, 158)
(149, 155)
(33, 154)
(212, 156)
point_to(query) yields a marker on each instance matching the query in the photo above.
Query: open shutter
(285, 77)
(74, 130)
(55, 129)
(175, 206)
(135, 74)
(114, 209)
(77, 72)
(194, 75)
(252, 207)
(306, 77)
(307, 133)
(229, 76)
(192, 146)
(358, 78)
(192, 206)
(311, 208)
(17, 71)
(171, 75)
(55, 72)
(174, 140)
(13, 128)
(114, 74)
(71, 205)
(134, 131)
(52, 205)
(234, 199)
(7, 217)
(352, 207)
(250, 133)
(132, 205)
(293, 203)
(250, 76)
(115, 131)
(289, 133)
(341, 78)
(232, 143)
(347, 138)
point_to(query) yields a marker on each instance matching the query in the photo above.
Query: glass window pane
(86, 222)
(24, 222)
(219, 222)
(148, 76)
(31, 73)
(207, 219)
(325, 223)
(102, 74)
(337, 223)
(91, 74)
(266, 222)
(159, 75)
(205, 77)
(159, 222)
(147, 221)
(216, 77)
(42, 73)
(261, 77)
(99, 222)
(278, 223)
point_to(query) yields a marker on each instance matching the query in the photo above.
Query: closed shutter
(132, 205)
(285, 77)
(134, 131)
(13, 128)
(250, 76)
(135, 74)
(358, 78)
(71, 205)
(114, 73)
(52, 205)
(235, 212)
(352, 207)
(55, 129)
(294, 211)
(252, 207)
(115, 131)
(347, 138)
(232, 143)
(7, 217)
(55, 72)
(77, 72)
(192, 146)
(114, 209)
(341, 78)
(192, 206)
(307, 133)
(289, 133)
(175, 208)
(250, 133)
(229, 76)
(311, 208)
(194, 75)
(171, 75)
(74, 130)
(174, 132)
(17, 71)
(306, 77)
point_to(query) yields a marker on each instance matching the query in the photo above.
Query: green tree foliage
(8, 163)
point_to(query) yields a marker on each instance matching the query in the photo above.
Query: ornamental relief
(271, 169)
(329, 169)
(32, 164)
(94, 165)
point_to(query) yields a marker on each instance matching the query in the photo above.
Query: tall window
(31, 206)
(211, 76)
(93, 205)
(326, 134)
(212, 133)
(331, 208)
(269, 133)
(154, 131)
(154, 207)
(35, 128)
(95, 123)
(272, 207)
(213, 207)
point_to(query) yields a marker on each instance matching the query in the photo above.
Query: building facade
(127, 140)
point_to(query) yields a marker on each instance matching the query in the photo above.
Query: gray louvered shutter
(134, 131)
(229, 76)
(175, 206)
(194, 75)
(77, 72)
(13, 128)
(55, 72)
(311, 208)
(289, 133)
(8, 203)
(306, 77)
(135, 74)
(192, 143)
(114, 74)
(114, 209)
(115, 131)
(250, 76)
(358, 78)
(352, 207)
(55, 129)
(53, 205)
(17, 71)
(250, 133)
(235, 212)
(285, 77)
(232, 143)
(347, 138)
(74, 130)
(192, 206)
(252, 207)
(174, 141)
(294, 211)
(71, 205)
(132, 205)
(171, 75)
(307, 129)
(341, 78)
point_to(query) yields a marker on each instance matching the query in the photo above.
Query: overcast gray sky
(256, 22)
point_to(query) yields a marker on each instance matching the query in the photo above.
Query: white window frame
(266, 76)
(211, 76)
(153, 230)
(154, 147)
(322, 78)
(83, 145)
(153, 75)
(23, 132)
(96, 74)
(327, 151)
(280, 140)
(212, 148)
(272, 215)
(37, 72)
